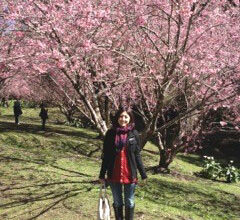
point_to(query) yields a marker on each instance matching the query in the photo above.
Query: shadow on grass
(22, 119)
(36, 129)
(26, 193)
(88, 149)
(151, 152)
(40, 162)
(189, 198)
(51, 198)
(86, 145)
(32, 181)
(192, 159)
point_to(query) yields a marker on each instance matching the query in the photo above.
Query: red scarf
(120, 139)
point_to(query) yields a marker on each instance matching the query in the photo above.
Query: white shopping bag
(103, 205)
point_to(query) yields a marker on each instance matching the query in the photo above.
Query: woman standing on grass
(121, 159)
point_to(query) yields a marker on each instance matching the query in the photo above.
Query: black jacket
(43, 113)
(133, 154)
(17, 108)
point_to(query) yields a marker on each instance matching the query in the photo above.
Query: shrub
(211, 169)
(75, 123)
(231, 173)
(214, 170)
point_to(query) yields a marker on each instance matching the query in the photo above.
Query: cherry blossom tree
(47, 48)
(184, 55)
(158, 56)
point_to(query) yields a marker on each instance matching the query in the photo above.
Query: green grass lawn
(52, 175)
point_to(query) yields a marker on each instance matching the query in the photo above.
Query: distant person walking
(43, 115)
(17, 111)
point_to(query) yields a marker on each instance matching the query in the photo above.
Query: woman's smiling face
(124, 119)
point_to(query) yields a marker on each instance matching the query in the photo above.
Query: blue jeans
(129, 190)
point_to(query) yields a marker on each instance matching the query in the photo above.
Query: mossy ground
(52, 175)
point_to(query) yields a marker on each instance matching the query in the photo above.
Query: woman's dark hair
(119, 112)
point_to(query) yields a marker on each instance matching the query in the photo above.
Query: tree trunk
(166, 142)
(166, 158)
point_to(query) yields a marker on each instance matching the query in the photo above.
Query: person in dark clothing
(17, 111)
(43, 115)
(120, 160)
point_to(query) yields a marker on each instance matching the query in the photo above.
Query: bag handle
(103, 191)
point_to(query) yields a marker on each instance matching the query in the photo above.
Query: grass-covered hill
(52, 175)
